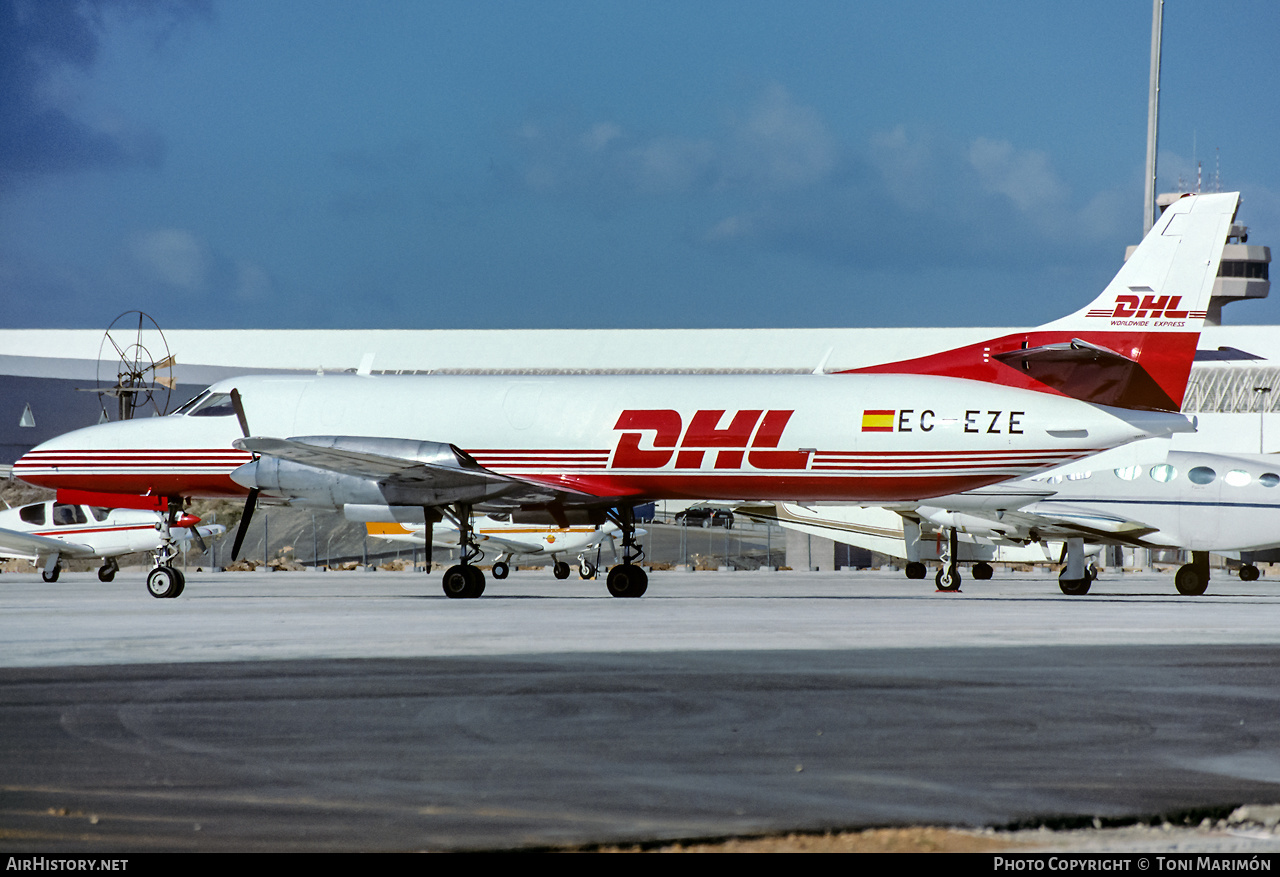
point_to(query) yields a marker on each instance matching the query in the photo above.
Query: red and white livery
(591, 447)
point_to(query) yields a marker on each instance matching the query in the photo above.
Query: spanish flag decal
(877, 420)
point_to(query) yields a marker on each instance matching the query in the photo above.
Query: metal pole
(1262, 413)
(1153, 118)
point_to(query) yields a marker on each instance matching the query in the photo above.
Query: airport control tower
(1244, 272)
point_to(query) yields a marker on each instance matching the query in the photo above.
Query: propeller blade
(249, 506)
(195, 532)
(239, 406)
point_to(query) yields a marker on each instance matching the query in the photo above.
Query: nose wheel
(165, 582)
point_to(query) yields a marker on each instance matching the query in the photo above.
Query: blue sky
(399, 164)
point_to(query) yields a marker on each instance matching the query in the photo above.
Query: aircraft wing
(408, 472)
(1063, 522)
(17, 544)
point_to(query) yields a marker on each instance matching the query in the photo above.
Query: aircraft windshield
(191, 403)
(208, 404)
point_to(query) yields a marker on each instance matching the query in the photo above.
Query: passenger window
(1078, 476)
(1202, 475)
(1128, 473)
(33, 514)
(99, 514)
(1164, 473)
(1237, 478)
(1269, 479)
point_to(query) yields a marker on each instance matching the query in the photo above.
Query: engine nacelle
(307, 485)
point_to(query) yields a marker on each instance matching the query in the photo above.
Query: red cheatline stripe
(73, 531)
(536, 451)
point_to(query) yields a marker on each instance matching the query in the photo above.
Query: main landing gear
(627, 579)
(1249, 573)
(463, 580)
(1075, 578)
(1192, 579)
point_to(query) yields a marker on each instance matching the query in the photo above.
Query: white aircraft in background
(512, 540)
(1197, 502)
(589, 448)
(46, 532)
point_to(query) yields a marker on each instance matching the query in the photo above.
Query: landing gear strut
(1075, 578)
(165, 580)
(948, 577)
(627, 579)
(462, 580)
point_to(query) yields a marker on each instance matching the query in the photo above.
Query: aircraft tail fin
(1132, 346)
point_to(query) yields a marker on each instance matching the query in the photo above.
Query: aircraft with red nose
(589, 448)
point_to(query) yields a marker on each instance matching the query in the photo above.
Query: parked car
(705, 517)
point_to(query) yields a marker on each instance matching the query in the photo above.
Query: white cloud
(173, 256)
(905, 167)
(780, 144)
(1024, 177)
(777, 145)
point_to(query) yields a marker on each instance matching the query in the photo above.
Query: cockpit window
(33, 514)
(191, 403)
(213, 405)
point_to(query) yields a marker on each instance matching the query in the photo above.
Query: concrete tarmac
(365, 711)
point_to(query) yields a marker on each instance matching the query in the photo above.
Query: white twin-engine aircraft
(589, 448)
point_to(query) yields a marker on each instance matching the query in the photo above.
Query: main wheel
(106, 573)
(52, 575)
(560, 570)
(1249, 573)
(1075, 587)
(164, 582)
(982, 571)
(948, 578)
(916, 570)
(627, 580)
(463, 581)
(1189, 582)
(586, 571)
(500, 570)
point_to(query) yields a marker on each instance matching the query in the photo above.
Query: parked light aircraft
(1198, 502)
(46, 532)
(512, 540)
(592, 447)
